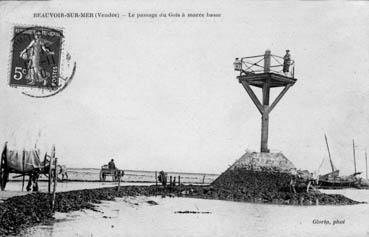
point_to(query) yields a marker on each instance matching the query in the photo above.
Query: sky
(161, 94)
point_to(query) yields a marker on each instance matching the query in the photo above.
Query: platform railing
(257, 64)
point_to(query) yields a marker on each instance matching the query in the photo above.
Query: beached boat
(334, 180)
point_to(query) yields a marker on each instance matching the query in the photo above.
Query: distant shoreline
(130, 176)
(72, 169)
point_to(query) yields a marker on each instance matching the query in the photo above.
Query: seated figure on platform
(111, 165)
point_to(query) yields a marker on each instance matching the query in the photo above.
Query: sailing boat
(334, 180)
(364, 182)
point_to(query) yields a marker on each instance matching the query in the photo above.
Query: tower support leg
(265, 117)
(264, 132)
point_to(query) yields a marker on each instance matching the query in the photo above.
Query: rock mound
(257, 172)
(266, 177)
(275, 162)
(241, 180)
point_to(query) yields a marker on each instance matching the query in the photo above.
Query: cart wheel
(50, 178)
(4, 180)
(3, 173)
(102, 176)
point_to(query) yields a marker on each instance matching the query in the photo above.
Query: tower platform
(260, 79)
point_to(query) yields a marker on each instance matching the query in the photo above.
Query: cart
(116, 174)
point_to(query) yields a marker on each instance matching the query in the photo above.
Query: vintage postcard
(184, 118)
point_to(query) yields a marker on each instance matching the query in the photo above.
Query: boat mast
(353, 148)
(366, 166)
(329, 153)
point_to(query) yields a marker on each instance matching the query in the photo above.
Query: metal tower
(265, 71)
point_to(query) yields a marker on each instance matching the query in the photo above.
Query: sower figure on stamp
(286, 62)
(33, 53)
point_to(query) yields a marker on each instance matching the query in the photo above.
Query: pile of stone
(266, 178)
(257, 172)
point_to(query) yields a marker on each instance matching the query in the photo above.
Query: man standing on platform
(286, 62)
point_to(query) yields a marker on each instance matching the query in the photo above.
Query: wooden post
(156, 178)
(264, 132)
(265, 110)
(156, 183)
(179, 180)
(55, 182)
(170, 181)
(23, 160)
(50, 179)
(52, 156)
(49, 183)
(366, 166)
(267, 61)
(353, 147)
(119, 178)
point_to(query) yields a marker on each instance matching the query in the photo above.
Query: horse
(62, 170)
(24, 163)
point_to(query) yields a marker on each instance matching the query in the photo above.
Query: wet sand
(19, 212)
(176, 216)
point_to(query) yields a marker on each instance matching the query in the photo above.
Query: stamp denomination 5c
(36, 60)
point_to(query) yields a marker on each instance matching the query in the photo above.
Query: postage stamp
(36, 60)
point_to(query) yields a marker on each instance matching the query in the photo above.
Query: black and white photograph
(184, 118)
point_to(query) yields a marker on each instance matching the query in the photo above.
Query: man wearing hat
(286, 61)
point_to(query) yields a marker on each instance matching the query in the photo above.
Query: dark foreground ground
(20, 212)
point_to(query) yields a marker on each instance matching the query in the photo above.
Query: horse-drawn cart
(26, 163)
(116, 174)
